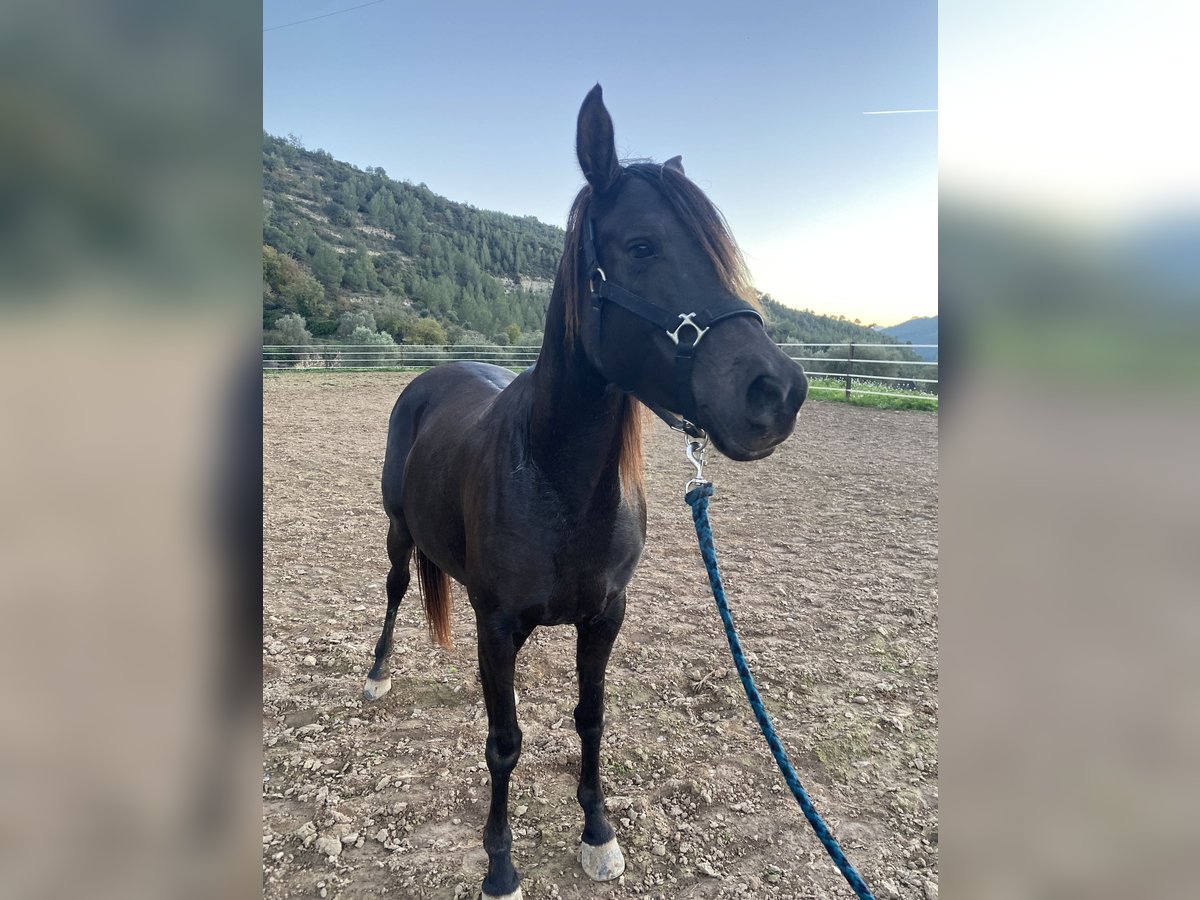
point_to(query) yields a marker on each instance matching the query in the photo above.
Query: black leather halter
(700, 322)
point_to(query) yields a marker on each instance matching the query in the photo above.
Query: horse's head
(662, 307)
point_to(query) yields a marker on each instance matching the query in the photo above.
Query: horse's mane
(699, 216)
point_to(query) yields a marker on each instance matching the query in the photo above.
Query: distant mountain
(788, 325)
(919, 330)
(1166, 251)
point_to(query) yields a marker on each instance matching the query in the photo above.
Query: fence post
(849, 369)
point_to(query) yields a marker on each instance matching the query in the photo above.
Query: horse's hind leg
(598, 852)
(399, 548)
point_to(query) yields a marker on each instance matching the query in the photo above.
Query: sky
(835, 211)
(1076, 108)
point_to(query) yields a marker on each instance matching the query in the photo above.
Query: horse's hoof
(516, 698)
(515, 895)
(603, 863)
(373, 689)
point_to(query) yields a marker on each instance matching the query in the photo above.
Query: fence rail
(908, 373)
(861, 344)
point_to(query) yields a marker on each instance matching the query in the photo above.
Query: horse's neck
(576, 423)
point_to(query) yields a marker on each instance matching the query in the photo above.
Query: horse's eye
(641, 250)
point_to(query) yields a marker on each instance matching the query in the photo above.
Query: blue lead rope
(697, 499)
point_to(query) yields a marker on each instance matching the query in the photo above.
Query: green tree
(375, 347)
(338, 214)
(530, 339)
(393, 317)
(360, 274)
(289, 329)
(327, 267)
(272, 265)
(425, 331)
(348, 322)
(472, 339)
(381, 210)
(287, 287)
(305, 295)
(513, 332)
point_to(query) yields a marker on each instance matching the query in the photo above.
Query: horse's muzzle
(757, 411)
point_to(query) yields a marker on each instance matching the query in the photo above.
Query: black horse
(528, 489)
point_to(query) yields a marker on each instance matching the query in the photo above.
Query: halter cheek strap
(685, 330)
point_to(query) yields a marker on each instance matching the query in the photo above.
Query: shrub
(393, 317)
(289, 329)
(374, 348)
(355, 318)
(425, 331)
(529, 339)
(472, 339)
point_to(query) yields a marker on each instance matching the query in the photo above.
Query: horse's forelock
(700, 216)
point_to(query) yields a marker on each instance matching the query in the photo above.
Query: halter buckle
(592, 282)
(687, 320)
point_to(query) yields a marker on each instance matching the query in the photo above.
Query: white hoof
(515, 895)
(516, 698)
(373, 689)
(603, 863)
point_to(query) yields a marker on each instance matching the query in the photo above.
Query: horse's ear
(676, 163)
(594, 143)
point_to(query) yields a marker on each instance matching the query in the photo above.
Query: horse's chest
(603, 554)
(571, 567)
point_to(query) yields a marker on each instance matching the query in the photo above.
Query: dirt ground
(829, 552)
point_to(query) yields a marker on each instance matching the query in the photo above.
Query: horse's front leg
(498, 648)
(599, 852)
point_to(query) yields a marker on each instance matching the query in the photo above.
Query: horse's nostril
(764, 400)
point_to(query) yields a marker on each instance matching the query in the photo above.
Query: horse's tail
(435, 593)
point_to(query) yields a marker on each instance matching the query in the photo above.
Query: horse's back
(459, 391)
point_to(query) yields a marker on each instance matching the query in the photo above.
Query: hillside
(919, 330)
(803, 326)
(352, 254)
(338, 239)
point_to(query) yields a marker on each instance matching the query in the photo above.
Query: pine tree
(327, 266)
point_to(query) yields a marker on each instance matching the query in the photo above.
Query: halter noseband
(601, 289)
